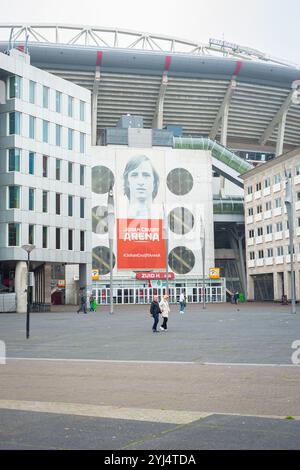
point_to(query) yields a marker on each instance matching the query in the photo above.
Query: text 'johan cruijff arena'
(174, 124)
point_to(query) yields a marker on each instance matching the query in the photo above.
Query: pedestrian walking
(155, 311)
(93, 304)
(236, 297)
(82, 303)
(165, 310)
(182, 303)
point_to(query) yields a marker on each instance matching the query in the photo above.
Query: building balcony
(267, 215)
(297, 205)
(249, 219)
(269, 261)
(297, 232)
(297, 179)
(287, 234)
(258, 217)
(279, 260)
(249, 198)
(277, 211)
(257, 195)
(276, 187)
(258, 240)
(251, 263)
(266, 191)
(260, 262)
(278, 236)
(269, 237)
(250, 242)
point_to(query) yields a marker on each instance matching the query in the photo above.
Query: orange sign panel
(141, 244)
(214, 273)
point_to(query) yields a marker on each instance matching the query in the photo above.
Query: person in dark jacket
(155, 311)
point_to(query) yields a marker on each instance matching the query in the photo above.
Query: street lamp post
(289, 202)
(111, 236)
(28, 249)
(202, 241)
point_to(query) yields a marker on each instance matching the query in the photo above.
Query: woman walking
(165, 310)
(182, 303)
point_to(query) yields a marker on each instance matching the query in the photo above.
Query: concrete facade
(266, 225)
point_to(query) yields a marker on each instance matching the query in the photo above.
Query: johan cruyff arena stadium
(170, 127)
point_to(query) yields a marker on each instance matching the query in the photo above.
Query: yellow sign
(214, 273)
(95, 275)
(60, 283)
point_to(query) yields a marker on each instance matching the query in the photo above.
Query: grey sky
(271, 26)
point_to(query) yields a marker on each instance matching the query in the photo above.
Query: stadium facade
(194, 99)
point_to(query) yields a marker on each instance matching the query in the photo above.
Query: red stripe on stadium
(167, 62)
(238, 67)
(99, 57)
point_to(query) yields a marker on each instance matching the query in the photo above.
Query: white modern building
(45, 193)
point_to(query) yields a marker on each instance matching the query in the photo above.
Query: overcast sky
(272, 26)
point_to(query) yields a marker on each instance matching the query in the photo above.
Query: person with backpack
(82, 304)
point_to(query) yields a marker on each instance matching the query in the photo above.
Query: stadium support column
(237, 245)
(222, 118)
(95, 92)
(158, 117)
(280, 135)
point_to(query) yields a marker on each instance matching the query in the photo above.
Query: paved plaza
(219, 378)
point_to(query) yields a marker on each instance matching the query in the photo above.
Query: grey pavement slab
(249, 333)
(26, 430)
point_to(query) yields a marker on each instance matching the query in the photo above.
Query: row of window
(269, 252)
(16, 91)
(268, 229)
(14, 198)
(268, 205)
(14, 236)
(276, 179)
(15, 123)
(14, 164)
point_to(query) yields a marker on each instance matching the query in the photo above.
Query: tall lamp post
(166, 237)
(28, 249)
(111, 236)
(289, 202)
(202, 242)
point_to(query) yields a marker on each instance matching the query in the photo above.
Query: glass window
(57, 168)
(32, 91)
(70, 106)
(297, 170)
(260, 254)
(102, 179)
(15, 84)
(13, 234)
(258, 187)
(260, 231)
(70, 206)
(279, 227)
(45, 131)
(70, 239)
(288, 173)
(179, 181)
(31, 127)
(101, 259)
(280, 251)
(45, 97)
(45, 237)
(57, 238)
(259, 209)
(277, 178)
(82, 110)
(45, 166)
(278, 202)
(181, 260)
(14, 123)
(82, 142)
(31, 234)
(267, 182)
(70, 139)
(251, 233)
(82, 208)
(269, 229)
(58, 102)
(14, 160)
(58, 135)
(14, 197)
(31, 199)
(82, 175)
(31, 158)
(250, 211)
(81, 240)
(45, 201)
(298, 196)
(57, 203)
(249, 190)
(268, 206)
(270, 252)
(252, 255)
(70, 172)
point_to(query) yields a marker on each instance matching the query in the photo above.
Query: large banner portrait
(140, 197)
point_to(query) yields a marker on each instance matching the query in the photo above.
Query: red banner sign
(154, 276)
